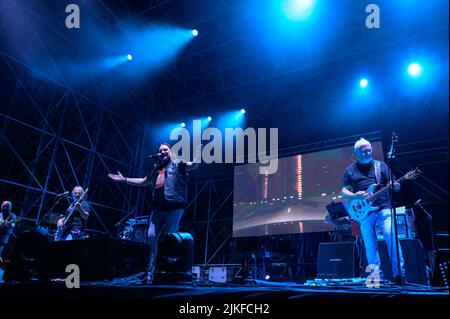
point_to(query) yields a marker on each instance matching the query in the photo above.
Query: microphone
(157, 155)
(394, 140)
(62, 194)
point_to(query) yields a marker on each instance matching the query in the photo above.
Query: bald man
(7, 223)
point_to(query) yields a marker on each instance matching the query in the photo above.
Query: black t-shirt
(5, 231)
(76, 221)
(361, 176)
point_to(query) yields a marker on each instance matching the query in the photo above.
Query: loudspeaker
(414, 257)
(28, 257)
(336, 260)
(98, 259)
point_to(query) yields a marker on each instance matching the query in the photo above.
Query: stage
(250, 291)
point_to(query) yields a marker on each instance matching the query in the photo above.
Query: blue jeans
(380, 221)
(163, 223)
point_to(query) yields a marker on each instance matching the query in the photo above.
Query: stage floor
(249, 290)
(253, 299)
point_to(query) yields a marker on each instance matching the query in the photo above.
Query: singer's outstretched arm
(135, 181)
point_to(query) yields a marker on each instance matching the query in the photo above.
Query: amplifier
(337, 260)
(405, 224)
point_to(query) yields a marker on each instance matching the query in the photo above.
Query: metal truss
(54, 138)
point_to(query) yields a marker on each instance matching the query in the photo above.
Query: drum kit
(134, 229)
(127, 232)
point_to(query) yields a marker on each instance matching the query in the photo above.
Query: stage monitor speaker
(336, 260)
(98, 259)
(414, 257)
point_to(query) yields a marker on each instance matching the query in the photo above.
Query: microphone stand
(55, 202)
(398, 279)
(156, 164)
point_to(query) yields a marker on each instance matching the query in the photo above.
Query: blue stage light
(297, 10)
(267, 277)
(195, 32)
(242, 111)
(415, 69)
(183, 124)
(129, 57)
(363, 83)
(209, 118)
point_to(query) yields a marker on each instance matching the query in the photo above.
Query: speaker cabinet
(414, 257)
(337, 260)
(98, 259)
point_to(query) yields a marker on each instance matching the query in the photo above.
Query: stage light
(209, 118)
(129, 57)
(175, 258)
(363, 83)
(183, 124)
(267, 277)
(415, 70)
(298, 10)
(242, 111)
(195, 32)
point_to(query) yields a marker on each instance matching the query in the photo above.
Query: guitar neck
(77, 201)
(375, 195)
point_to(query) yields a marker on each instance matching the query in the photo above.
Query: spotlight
(183, 124)
(267, 277)
(298, 10)
(363, 83)
(209, 118)
(195, 32)
(129, 57)
(414, 69)
(242, 111)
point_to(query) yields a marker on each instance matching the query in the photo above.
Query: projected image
(293, 199)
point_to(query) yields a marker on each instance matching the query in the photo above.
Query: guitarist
(357, 179)
(7, 223)
(74, 228)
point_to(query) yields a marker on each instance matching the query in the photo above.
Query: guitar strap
(377, 171)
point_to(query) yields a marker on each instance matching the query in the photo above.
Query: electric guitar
(6, 222)
(359, 209)
(61, 232)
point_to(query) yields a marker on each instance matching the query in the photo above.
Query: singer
(169, 179)
(358, 177)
